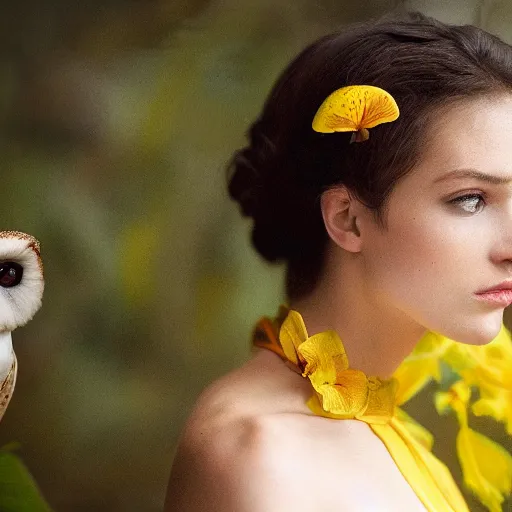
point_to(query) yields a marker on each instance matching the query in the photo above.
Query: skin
(250, 443)
(422, 271)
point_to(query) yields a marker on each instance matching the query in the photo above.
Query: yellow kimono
(341, 392)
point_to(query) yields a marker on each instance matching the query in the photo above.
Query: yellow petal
(349, 396)
(324, 352)
(292, 333)
(413, 376)
(497, 403)
(492, 362)
(420, 367)
(461, 391)
(381, 400)
(442, 402)
(326, 364)
(456, 398)
(487, 467)
(459, 357)
(355, 107)
(315, 405)
(264, 336)
(379, 409)
(481, 364)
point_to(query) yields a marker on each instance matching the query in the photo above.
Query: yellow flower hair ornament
(355, 108)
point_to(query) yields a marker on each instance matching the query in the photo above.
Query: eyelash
(467, 197)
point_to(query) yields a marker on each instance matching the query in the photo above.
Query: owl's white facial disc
(19, 300)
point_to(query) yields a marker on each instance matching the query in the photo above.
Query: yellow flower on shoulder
(342, 392)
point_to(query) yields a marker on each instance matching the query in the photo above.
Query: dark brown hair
(280, 175)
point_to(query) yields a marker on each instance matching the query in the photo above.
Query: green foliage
(18, 490)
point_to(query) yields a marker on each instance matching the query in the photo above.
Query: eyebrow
(474, 174)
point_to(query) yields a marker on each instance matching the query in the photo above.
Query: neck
(6, 356)
(376, 335)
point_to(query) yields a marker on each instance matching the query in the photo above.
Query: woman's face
(440, 247)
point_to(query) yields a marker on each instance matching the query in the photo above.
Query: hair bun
(263, 188)
(250, 168)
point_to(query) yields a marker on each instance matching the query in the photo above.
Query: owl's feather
(6, 354)
(19, 303)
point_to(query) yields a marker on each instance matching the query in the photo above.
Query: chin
(480, 331)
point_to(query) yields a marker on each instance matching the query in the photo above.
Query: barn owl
(21, 291)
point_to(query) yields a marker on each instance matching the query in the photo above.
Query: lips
(500, 298)
(499, 295)
(505, 285)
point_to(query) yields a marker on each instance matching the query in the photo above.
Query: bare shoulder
(263, 385)
(220, 461)
(251, 444)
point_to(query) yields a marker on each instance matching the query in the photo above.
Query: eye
(470, 200)
(10, 274)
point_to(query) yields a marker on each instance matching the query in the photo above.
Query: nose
(501, 245)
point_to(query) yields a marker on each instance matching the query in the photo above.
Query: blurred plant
(18, 490)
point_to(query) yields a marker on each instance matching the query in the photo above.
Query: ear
(340, 219)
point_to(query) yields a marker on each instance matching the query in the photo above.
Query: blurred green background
(117, 119)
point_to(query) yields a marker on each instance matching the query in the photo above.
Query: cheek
(430, 270)
(415, 260)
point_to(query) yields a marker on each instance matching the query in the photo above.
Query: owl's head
(21, 279)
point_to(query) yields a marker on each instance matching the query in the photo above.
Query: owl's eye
(10, 274)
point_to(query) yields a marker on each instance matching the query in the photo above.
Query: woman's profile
(380, 172)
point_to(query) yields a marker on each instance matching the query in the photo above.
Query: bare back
(251, 444)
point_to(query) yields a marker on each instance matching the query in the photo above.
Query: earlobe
(340, 220)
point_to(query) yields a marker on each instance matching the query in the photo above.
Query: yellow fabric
(341, 392)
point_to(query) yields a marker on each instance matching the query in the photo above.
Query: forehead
(473, 133)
